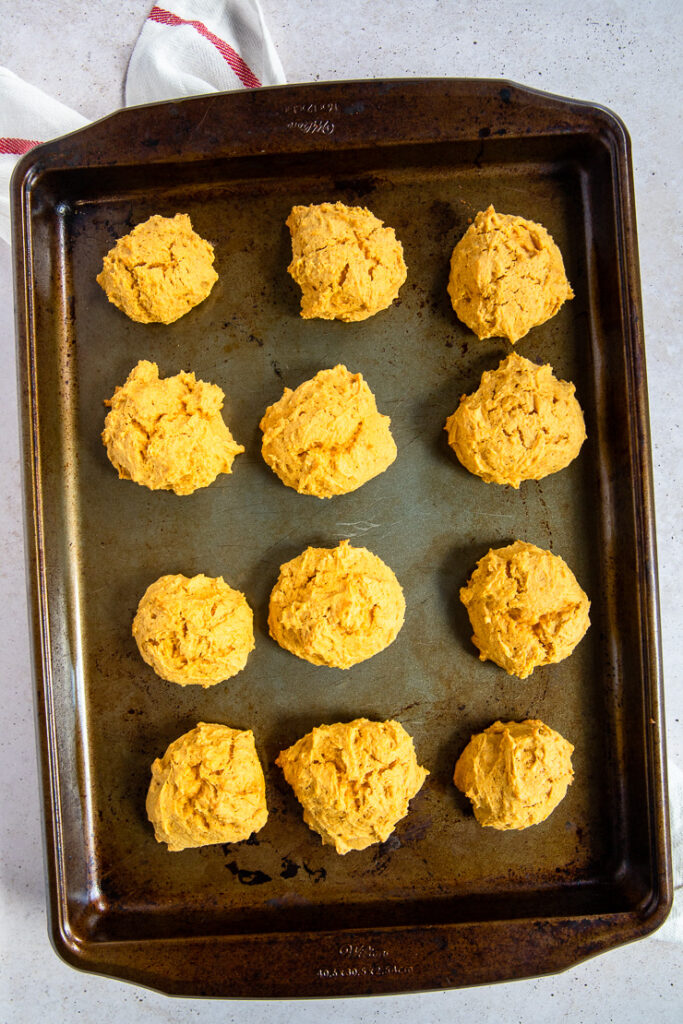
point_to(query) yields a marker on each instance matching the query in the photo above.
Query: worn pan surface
(444, 902)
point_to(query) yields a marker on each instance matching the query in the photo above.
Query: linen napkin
(187, 48)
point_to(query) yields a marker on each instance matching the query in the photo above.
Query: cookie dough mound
(327, 437)
(167, 433)
(515, 773)
(521, 424)
(207, 788)
(336, 606)
(526, 608)
(347, 264)
(194, 631)
(160, 271)
(353, 780)
(507, 276)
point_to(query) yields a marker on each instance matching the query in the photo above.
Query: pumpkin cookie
(507, 276)
(353, 780)
(167, 433)
(515, 773)
(327, 437)
(526, 608)
(347, 264)
(194, 631)
(159, 271)
(336, 606)
(521, 424)
(207, 788)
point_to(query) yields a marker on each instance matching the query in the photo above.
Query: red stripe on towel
(242, 70)
(17, 146)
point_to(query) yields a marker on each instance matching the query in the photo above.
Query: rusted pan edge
(359, 963)
(290, 119)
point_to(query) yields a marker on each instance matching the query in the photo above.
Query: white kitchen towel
(672, 929)
(184, 49)
(28, 117)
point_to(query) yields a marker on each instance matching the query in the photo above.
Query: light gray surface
(620, 54)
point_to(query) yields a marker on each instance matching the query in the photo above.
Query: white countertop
(617, 53)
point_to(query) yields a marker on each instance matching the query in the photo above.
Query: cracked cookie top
(194, 630)
(167, 433)
(159, 271)
(336, 606)
(515, 773)
(354, 780)
(526, 608)
(348, 265)
(506, 276)
(522, 423)
(207, 788)
(327, 437)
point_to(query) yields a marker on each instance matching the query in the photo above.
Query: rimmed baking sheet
(443, 902)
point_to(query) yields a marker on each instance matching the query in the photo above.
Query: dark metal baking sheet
(443, 902)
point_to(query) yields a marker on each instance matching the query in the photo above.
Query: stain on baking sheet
(246, 877)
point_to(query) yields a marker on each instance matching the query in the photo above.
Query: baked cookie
(526, 608)
(336, 606)
(207, 788)
(159, 271)
(521, 424)
(353, 780)
(167, 433)
(515, 773)
(347, 264)
(194, 631)
(507, 276)
(327, 437)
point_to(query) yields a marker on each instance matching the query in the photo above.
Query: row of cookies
(327, 436)
(354, 781)
(506, 273)
(337, 607)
